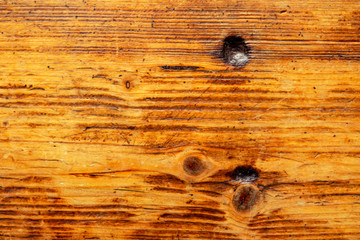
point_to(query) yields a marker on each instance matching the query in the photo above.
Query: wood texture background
(101, 102)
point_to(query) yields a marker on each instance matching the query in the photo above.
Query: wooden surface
(103, 102)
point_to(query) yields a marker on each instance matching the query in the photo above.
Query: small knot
(193, 166)
(235, 51)
(245, 198)
(244, 174)
(127, 84)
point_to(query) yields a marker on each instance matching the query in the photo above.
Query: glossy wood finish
(103, 102)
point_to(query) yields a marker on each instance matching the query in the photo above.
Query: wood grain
(103, 102)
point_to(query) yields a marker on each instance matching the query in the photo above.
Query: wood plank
(121, 120)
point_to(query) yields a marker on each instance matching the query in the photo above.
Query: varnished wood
(103, 102)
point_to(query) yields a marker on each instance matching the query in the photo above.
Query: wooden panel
(120, 120)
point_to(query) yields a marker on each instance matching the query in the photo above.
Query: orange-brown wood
(120, 120)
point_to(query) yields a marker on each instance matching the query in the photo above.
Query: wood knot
(127, 84)
(244, 174)
(129, 81)
(194, 166)
(235, 51)
(245, 198)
